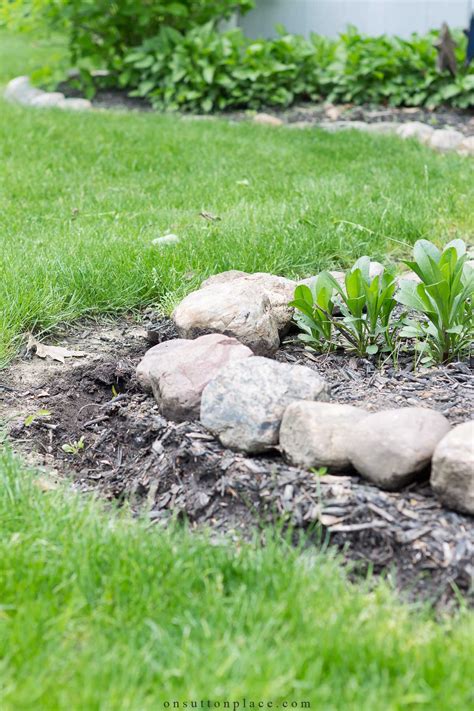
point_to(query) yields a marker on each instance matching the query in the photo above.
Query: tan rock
(390, 447)
(452, 468)
(267, 120)
(237, 308)
(314, 434)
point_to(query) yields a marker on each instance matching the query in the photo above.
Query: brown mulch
(164, 469)
(310, 113)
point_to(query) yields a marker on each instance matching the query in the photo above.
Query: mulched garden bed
(310, 113)
(134, 455)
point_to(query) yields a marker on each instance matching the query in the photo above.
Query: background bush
(172, 53)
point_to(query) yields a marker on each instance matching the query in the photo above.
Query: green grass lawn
(99, 611)
(82, 196)
(102, 612)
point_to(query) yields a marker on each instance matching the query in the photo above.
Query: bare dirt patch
(133, 454)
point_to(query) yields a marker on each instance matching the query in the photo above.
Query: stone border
(443, 139)
(217, 371)
(21, 91)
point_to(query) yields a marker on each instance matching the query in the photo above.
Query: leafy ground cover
(99, 611)
(83, 196)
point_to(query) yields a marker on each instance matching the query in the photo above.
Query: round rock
(446, 139)
(452, 468)
(389, 448)
(245, 403)
(177, 371)
(239, 309)
(314, 434)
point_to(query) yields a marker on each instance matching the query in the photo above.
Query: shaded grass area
(83, 195)
(99, 611)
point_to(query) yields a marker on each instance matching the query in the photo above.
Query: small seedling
(73, 447)
(36, 416)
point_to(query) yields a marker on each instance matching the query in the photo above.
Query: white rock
(314, 434)
(415, 129)
(165, 240)
(452, 468)
(240, 309)
(466, 148)
(177, 371)
(20, 91)
(446, 139)
(48, 99)
(390, 447)
(245, 403)
(76, 104)
(267, 120)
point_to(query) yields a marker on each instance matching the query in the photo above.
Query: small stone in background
(165, 240)
(177, 371)
(416, 129)
(390, 447)
(446, 139)
(314, 434)
(21, 91)
(452, 469)
(267, 120)
(245, 403)
(48, 99)
(76, 104)
(466, 148)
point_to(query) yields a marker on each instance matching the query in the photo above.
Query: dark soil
(309, 113)
(133, 454)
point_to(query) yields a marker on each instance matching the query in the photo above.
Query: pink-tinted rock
(177, 371)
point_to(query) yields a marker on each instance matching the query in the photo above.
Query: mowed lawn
(102, 612)
(82, 196)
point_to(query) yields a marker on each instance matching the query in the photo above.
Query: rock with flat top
(245, 403)
(177, 371)
(452, 469)
(389, 448)
(314, 434)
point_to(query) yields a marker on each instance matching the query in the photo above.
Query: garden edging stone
(452, 469)
(244, 404)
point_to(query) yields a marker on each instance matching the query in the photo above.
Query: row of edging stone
(21, 91)
(253, 403)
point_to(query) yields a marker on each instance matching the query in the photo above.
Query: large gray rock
(245, 403)
(314, 434)
(389, 448)
(177, 371)
(452, 468)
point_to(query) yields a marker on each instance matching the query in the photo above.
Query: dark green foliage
(205, 70)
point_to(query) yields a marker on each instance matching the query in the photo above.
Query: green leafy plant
(314, 307)
(38, 415)
(74, 447)
(443, 299)
(366, 305)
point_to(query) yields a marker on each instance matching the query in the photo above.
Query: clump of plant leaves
(366, 305)
(443, 300)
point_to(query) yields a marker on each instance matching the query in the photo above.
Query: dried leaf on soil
(54, 352)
